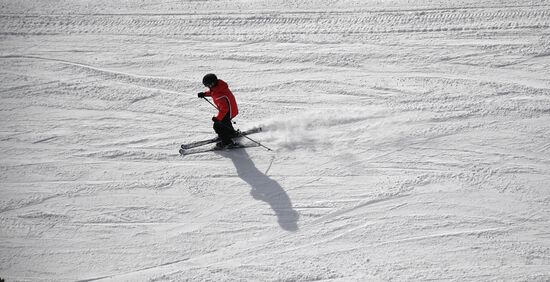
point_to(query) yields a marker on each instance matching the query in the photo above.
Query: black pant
(225, 130)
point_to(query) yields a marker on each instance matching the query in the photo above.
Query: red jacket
(224, 100)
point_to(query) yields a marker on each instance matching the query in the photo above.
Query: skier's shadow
(264, 189)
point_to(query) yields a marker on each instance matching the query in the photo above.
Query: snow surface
(411, 141)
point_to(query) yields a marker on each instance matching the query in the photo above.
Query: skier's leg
(225, 130)
(228, 131)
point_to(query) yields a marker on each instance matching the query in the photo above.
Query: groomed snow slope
(411, 141)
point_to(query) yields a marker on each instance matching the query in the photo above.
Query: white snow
(411, 141)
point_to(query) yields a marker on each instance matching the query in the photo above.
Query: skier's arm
(223, 108)
(204, 94)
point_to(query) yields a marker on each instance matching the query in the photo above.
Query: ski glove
(201, 94)
(214, 119)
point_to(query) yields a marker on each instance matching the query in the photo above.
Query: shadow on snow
(264, 188)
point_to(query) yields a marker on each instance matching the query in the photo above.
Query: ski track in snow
(411, 141)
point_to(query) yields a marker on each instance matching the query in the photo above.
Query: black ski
(216, 139)
(195, 150)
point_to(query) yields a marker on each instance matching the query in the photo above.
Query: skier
(227, 108)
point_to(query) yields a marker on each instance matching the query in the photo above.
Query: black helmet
(210, 80)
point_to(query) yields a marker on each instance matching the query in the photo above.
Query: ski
(216, 139)
(214, 149)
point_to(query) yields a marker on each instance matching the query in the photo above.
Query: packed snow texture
(411, 141)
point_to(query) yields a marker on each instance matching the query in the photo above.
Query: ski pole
(210, 103)
(269, 149)
(260, 144)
